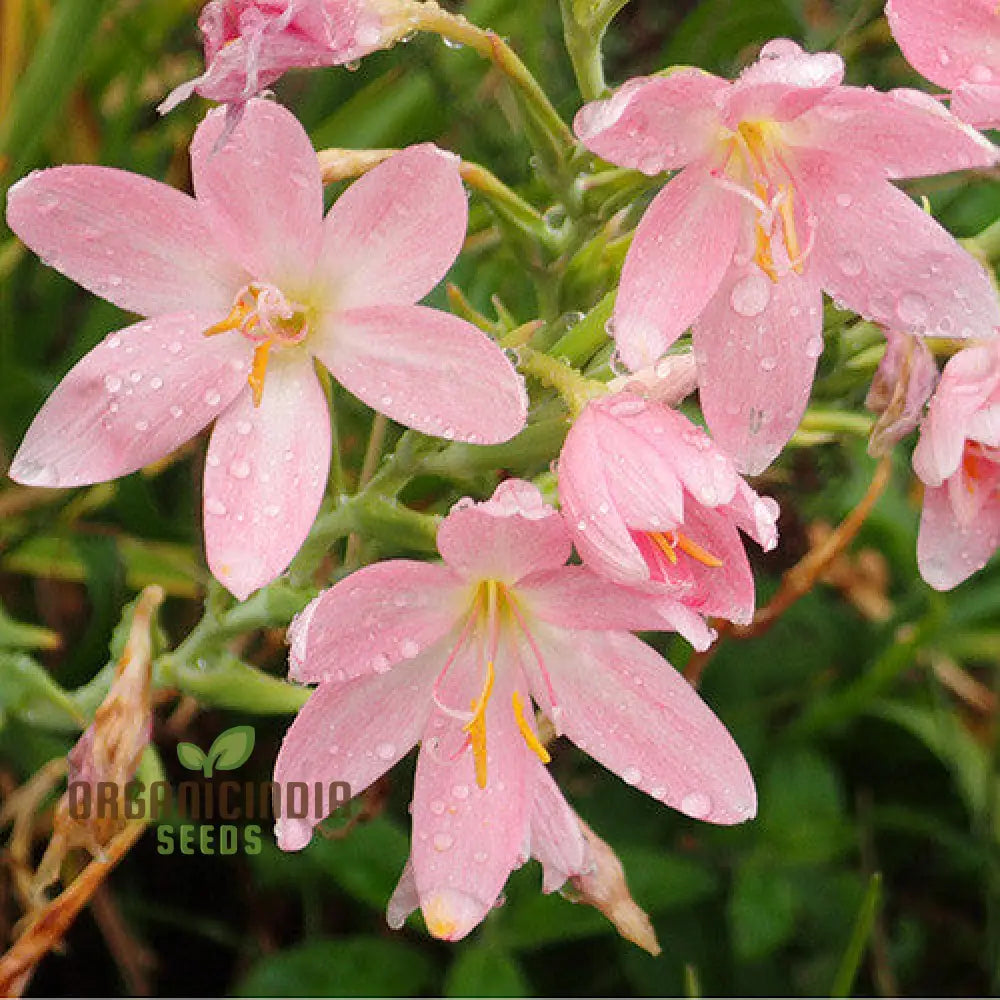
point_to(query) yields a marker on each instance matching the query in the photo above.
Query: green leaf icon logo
(230, 749)
(190, 756)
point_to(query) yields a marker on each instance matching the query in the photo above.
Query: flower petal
(655, 123)
(377, 616)
(887, 259)
(426, 369)
(757, 346)
(622, 703)
(969, 380)
(131, 240)
(948, 41)
(260, 185)
(507, 537)
(395, 232)
(557, 841)
(947, 552)
(352, 732)
(782, 84)
(265, 477)
(467, 839)
(574, 597)
(679, 254)
(977, 103)
(137, 396)
(905, 132)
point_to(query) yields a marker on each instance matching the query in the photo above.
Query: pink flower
(651, 502)
(958, 459)
(955, 44)
(246, 285)
(452, 657)
(250, 43)
(784, 191)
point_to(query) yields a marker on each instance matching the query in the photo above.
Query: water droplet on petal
(385, 751)
(912, 309)
(750, 295)
(768, 364)
(212, 398)
(631, 775)
(980, 73)
(408, 649)
(240, 469)
(443, 841)
(112, 383)
(243, 427)
(460, 791)
(216, 507)
(437, 807)
(850, 264)
(380, 663)
(696, 804)
(844, 200)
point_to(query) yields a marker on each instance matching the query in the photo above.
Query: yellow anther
(439, 919)
(534, 744)
(787, 212)
(234, 321)
(476, 726)
(258, 370)
(669, 541)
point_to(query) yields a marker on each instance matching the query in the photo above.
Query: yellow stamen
(695, 551)
(439, 919)
(669, 541)
(534, 744)
(787, 212)
(258, 370)
(476, 726)
(234, 321)
(665, 546)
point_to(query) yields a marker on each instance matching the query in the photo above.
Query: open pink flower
(652, 502)
(784, 191)
(955, 44)
(958, 460)
(452, 656)
(250, 43)
(246, 285)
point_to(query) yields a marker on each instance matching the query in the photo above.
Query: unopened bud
(902, 385)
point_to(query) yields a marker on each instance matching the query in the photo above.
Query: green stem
(584, 47)
(837, 422)
(575, 389)
(847, 972)
(986, 245)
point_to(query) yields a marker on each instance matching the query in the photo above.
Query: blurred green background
(868, 713)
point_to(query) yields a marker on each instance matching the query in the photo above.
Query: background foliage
(867, 713)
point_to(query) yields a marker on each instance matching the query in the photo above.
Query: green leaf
(232, 748)
(27, 690)
(762, 910)
(15, 635)
(843, 983)
(357, 966)
(483, 971)
(190, 756)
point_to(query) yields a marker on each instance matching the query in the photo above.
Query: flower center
(264, 316)
(755, 170)
(493, 614)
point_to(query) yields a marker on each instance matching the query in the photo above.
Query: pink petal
(678, 256)
(352, 732)
(404, 899)
(393, 235)
(905, 132)
(622, 703)
(782, 84)
(467, 839)
(977, 103)
(137, 396)
(755, 515)
(513, 534)
(426, 369)
(883, 256)
(948, 41)
(600, 534)
(131, 240)
(645, 490)
(655, 123)
(556, 838)
(967, 383)
(261, 187)
(265, 477)
(574, 597)
(947, 552)
(757, 344)
(377, 616)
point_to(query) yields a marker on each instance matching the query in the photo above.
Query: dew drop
(844, 200)
(850, 264)
(814, 347)
(750, 295)
(240, 469)
(768, 364)
(912, 309)
(408, 649)
(480, 856)
(244, 427)
(437, 807)
(112, 383)
(216, 507)
(980, 73)
(460, 791)
(443, 841)
(696, 804)
(156, 382)
(113, 341)
(174, 347)
(142, 425)
(212, 398)
(380, 663)
(385, 751)
(631, 775)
